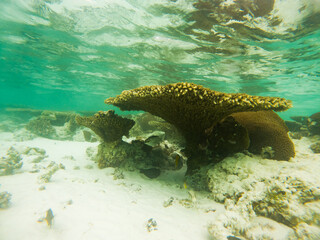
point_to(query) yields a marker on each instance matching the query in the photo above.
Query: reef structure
(114, 152)
(107, 125)
(194, 110)
(267, 129)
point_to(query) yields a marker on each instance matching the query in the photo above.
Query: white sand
(101, 208)
(89, 204)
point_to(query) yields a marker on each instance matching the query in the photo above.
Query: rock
(293, 126)
(314, 124)
(151, 172)
(287, 192)
(5, 199)
(315, 147)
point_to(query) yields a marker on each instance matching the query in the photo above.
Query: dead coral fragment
(4, 199)
(107, 125)
(192, 108)
(51, 169)
(10, 162)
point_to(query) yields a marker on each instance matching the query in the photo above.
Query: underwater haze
(72, 54)
(206, 158)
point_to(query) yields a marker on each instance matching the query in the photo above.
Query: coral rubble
(5, 199)
(282, 191)
(10, 162)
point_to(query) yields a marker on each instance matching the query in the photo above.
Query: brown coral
(193, 109)
(228, 137)
(107, 125)
(267, 129)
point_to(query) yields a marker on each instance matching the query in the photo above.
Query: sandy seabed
(88, 203)
(92, 203)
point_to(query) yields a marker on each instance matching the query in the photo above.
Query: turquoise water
(71, 55)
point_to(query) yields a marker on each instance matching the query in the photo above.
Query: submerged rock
(151, 172)
(53, 125)
(315, 147)
(134, 156)
(287, 192)
(314, 124)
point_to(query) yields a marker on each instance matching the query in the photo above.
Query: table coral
(193, 109)
(107, 125)
(267, 129)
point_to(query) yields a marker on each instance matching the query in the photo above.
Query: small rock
(118, 174)
(61, 166)
(151, 172)
(295, 135)
(168, 202)
(4, 199)
(88, 166)
(315, 147)
(152, 225)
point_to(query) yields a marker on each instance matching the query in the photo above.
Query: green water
(71, 55)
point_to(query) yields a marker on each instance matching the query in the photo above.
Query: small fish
(49, 217)
(185, 185)
(233, 238)
(178, 162)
